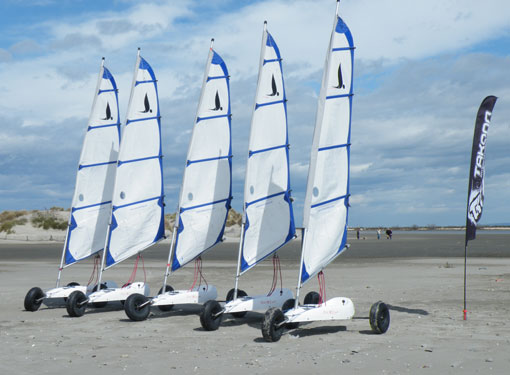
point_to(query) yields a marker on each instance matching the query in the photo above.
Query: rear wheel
(230, 296)
(168, 288)
(379, 317)
(99, 305)
(287, 305)
(211, 315)
(134, 309)
(312, 298)
(76, 304)
(33, 299)
(272, 329)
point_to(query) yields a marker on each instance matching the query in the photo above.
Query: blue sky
(421, 70)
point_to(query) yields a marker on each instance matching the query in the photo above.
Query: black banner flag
(477, 169)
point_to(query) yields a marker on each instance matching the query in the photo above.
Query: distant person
(378, 234)
(388, 234)
(357, 233)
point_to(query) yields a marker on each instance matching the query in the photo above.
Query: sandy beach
(422, 285)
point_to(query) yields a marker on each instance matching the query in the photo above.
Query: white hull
(201, 294)
(258, 303)
(338, 308)
(56, 297)
(119, 294)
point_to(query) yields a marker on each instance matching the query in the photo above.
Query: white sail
(327, 193)
(269, 218)
(91, 205)
(137, 219)
(206, 189)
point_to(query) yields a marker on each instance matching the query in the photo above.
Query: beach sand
(427, 334)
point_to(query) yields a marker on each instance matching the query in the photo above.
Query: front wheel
(230, 296)
(73, 283)
(168, 288)
(379, 317)
(33, 299)
(211, 315)
(76, 304)
(272, 327)
(134, 309)
(312, 298)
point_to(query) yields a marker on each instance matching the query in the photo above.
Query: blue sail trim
(341, 28)
(207, 159)
(211, 117)
(182, 209)
(257, 105)
(343, 49)
(216, 77)
(120, 162)
(143, 119)
(103, 91)
(175, 263)
(338, 96)
(329, 201)
(250, 153)
(89, 206)
(115, 208)
(146, 81)
(102, 126)
(334, 146)
(247, 204)
(81, 166)
(69, 258)
(270, 61)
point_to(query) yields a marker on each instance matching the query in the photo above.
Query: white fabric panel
(202, 227)
(208, 102)
(206, 182)
(88, 191)
(140, 140)
(137, 181)
(331, 175)
(268, 131)
(137, 109)
(137, 226)
(101, 146)
(324, 235)
(90, 233)
(267, 174)
(335, 129)
(269, 227)
(103, 101)
(215, 70)
(211, 138)
(265, 89)
(343, 59)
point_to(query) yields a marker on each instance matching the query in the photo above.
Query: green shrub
(48, 220)
(9, 219)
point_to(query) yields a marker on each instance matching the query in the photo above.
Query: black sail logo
(274, 89)
(217, 103)
(108, 112)
(146, 105)
(340, 78)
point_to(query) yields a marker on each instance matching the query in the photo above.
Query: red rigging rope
(198, 276)
(135, 269)
(95, 271)
(277, 270)
(322, 287)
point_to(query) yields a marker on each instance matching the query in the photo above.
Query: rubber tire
(272, 317)
(207, 320)
(312, 298)
(99, 305)
(379, 317)
(287, 305)
(31, 298)
(73, 283)
(73, 307)
(166, 307)
(131, 307)
(230, 296)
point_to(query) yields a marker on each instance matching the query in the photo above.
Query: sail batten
(137, 216)
(268, 214)
(327, 194)
(91, 204)
(206, 190)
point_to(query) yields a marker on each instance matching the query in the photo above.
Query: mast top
(212, 42)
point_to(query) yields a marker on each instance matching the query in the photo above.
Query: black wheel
(168, 288)
(230, 296)
(287, 305)
(211, 315)
(312, 298)
(73, 283)
(133, 307)
(272, 328)
(379, 317)
(99, 305)
(76, 304)
(33, 299)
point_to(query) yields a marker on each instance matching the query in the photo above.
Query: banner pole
(465, 273)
